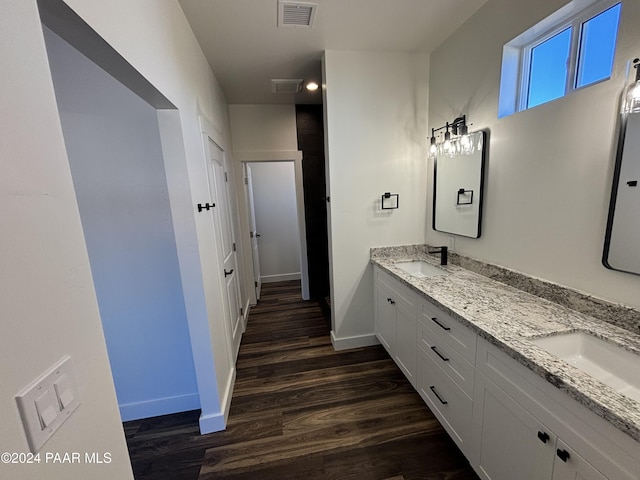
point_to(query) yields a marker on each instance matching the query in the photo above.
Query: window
(567, 51)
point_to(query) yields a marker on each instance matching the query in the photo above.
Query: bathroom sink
(611, 364)
(421, 269)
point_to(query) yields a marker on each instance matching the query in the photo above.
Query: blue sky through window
(548, 70)
(597, 47)
(549, 61)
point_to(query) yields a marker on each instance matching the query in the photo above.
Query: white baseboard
(245, 316)
(216, 422)
(159, 406)
(212, 423)
(280, 278)
(358, 341)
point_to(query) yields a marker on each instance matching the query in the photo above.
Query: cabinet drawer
(452, 362)
(447, 401)
(442, 325)
(400, 293)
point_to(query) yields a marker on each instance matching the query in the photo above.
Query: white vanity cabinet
(446, 375)
(510, 423)
(521, 431)
(396, 311)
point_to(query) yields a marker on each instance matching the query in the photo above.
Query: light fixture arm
(458, 127)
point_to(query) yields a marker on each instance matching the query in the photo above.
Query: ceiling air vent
(286, 85)
(296, 14)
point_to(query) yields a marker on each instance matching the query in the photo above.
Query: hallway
(301, 410)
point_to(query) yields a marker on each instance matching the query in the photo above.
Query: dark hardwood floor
(301, 410)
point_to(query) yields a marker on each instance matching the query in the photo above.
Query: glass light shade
(466, 145)
(631, 103)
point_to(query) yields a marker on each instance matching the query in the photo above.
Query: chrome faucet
(443, 251)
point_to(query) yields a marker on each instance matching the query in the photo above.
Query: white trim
(218, 421)
(245, 319)
(294, 156)
(267, 155)
(159, 406)
(212, 423)
(284, 277)
(358, 341)
(208, 129)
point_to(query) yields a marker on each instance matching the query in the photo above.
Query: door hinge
(240, 311)
(256, 284)
(234, 247)
(246, 180)
(226, 179)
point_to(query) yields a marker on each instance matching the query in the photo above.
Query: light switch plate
(53, 389)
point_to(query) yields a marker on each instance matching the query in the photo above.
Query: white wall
(113, 143)
(376, 128)
(48, 305)
(263, 128)
(549, 168)
(274, 194)
(164, 50)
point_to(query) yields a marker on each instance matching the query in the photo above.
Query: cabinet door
(385, 318)
(568, 465)
(405, 348)
(510, 443)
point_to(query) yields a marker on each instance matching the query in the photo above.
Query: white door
(253, 234)
(227, 246)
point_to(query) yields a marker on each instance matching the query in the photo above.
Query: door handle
(258, 235)
(226, 274)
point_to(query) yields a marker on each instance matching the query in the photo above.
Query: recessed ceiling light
(312, 86)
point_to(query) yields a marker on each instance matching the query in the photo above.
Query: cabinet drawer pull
(543, 436)
(439, 354)
(444, 327)
(443, 402)
(563, 455)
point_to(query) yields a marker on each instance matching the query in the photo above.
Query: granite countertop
(509, 318)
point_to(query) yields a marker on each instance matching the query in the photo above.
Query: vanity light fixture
(312, 86)
(460, 143)
(631, 100)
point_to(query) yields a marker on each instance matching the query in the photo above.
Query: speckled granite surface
(509, 317)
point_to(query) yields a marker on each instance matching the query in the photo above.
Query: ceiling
(246, 49)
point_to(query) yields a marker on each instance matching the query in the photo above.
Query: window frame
(517, 54)
(527, 56)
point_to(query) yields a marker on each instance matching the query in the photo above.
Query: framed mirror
(458, 182)
(622, 239)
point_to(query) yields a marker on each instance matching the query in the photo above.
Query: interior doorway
(276, 234)
(114, 144)
(310, 133)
